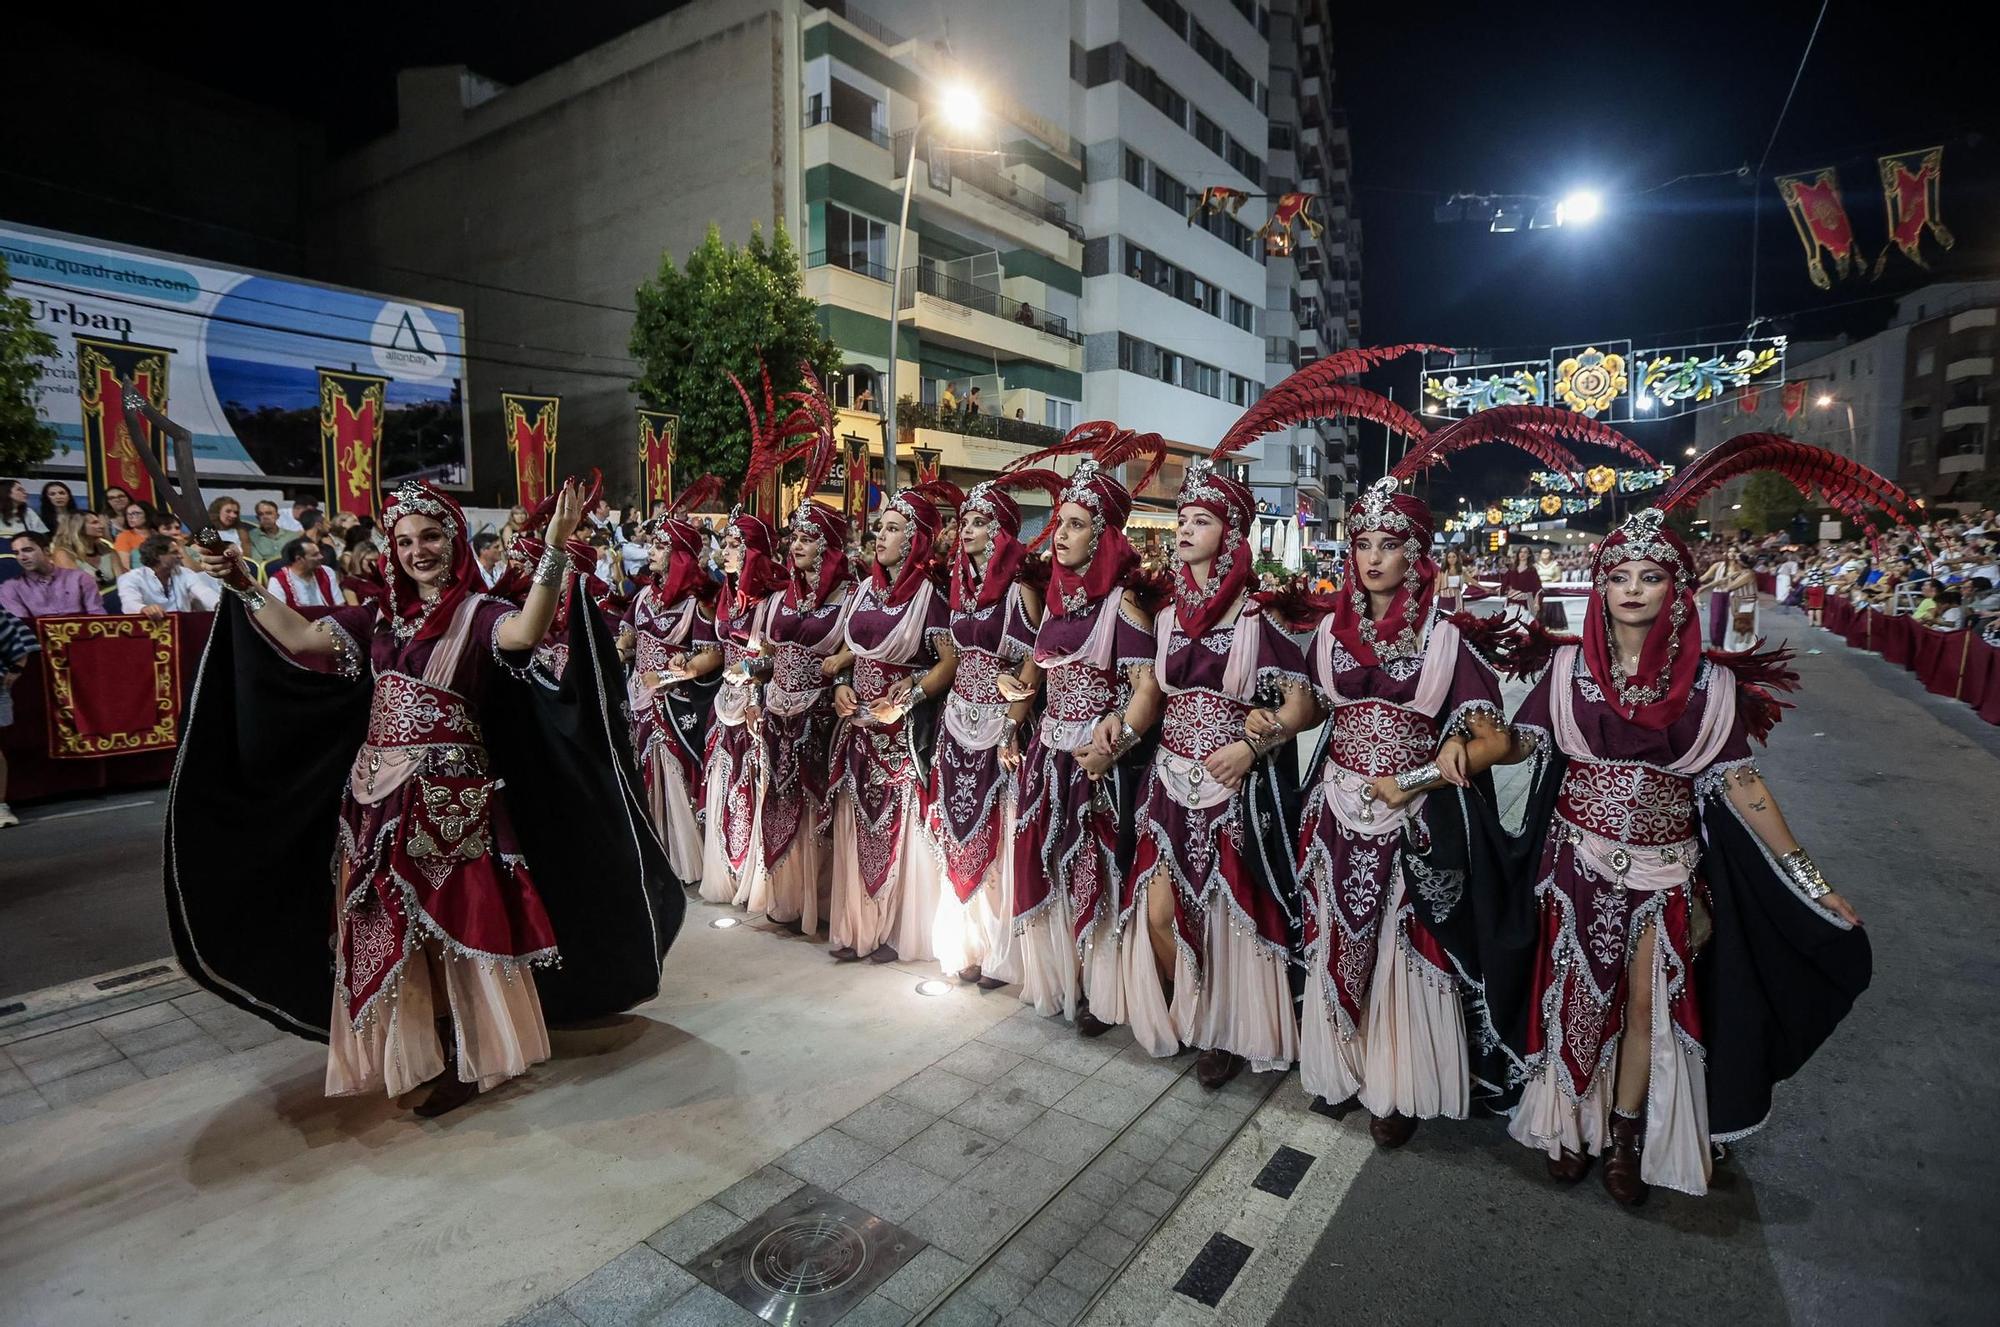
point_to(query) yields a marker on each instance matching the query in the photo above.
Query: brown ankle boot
(1212, 1069)
(1089, 1024)
(1569, 1167)
(1392, 1130)
(1621, 1159)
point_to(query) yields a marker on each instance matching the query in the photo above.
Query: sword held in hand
(186, 502)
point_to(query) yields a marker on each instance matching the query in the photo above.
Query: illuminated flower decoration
(1601, 478)
(1551, 504)
(1591, 381)
(1494, 516)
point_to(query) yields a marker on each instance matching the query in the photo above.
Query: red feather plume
(1085, 437)
(693, 497)
(1261, 418)
(1325, 401)
(1848, 485)
(1522, 426)
(1130, 446)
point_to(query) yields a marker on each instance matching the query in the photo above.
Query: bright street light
(960, 107)
(1691, 451)
(1579, 208)
(1825, 400)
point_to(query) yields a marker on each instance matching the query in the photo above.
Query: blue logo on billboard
(408, 345)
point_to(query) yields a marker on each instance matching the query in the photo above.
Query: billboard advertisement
(242, 354)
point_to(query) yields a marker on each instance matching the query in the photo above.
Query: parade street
(171, 1160)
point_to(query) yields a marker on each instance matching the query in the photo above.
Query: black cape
(253, 814)
(1463, 891)
(1773, 981)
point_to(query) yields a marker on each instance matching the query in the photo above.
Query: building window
(1242, 314)
(1920, 452)
(1926, 363)
(1170, 14)
(1103, 65)
(1244, 392)
(856, 242)
(1058, 414)
(1281, 138)
(1209, 132)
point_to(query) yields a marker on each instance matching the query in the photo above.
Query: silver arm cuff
(1805, 874)
(253, 598)
(549, 571)
(1412, 779)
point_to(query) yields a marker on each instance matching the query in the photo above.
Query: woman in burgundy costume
(1076, 832)
(1691, 955)
(466, 773)
(885, 872)
(670, 636)
(994, 614)
(732, 867)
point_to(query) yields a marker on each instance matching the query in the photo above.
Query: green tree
(1769, 502)
(722, 312)
(26, 439)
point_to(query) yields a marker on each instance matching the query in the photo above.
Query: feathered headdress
(773, 433)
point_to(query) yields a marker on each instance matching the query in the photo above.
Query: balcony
(987, 442)
(1961, 416)
(993, 184)
(1971, 318)
(1980, 366)
(818, 115)
(848, 262)
(986, 322)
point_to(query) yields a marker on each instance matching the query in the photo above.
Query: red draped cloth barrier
(1957, 664)
(99, 706)
(1767, 582)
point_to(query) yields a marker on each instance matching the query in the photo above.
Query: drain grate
(807, 1260)
(127, 978)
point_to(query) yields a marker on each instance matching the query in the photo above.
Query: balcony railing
(913, 414)
(824, 115)
(966, 295)
(992, 182)
(861, 266)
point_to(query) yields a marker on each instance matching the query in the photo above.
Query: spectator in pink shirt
(43, 589)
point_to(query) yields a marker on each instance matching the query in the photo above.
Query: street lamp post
(961, 107)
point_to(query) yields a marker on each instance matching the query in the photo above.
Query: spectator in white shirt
(161, 584)
(306, 581)
(491, 556)
(300, 506)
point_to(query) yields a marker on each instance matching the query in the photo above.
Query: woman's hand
(1840, 908)
(1010, 754)
(1094, 762)
(898, 692)
(220, 565)
(568, 513)
(1260, 724)
(653, 679)
(1013, 689)
(845, 702)
(751, 713)
(1104, 737)
(1451, 763)
(830, 668)
(1389, 795)
(1231, 764)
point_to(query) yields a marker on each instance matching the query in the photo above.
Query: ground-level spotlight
(725, 923)
(1579, 208)
(933, 987)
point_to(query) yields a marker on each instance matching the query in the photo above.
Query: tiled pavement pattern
(84, 1052)
(1032, 1164)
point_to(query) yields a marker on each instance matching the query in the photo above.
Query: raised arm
(523, 631)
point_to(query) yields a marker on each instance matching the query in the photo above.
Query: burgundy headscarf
(761, 572)
(918, 507)
(1197, 608)
(404, 606)
(969, 590)
(817, 520)
(1670, 660)
(686, 542)
(1112, 557)
(1382, 509)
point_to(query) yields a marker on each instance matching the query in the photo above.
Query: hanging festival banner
(1813, 201)
(1910, 183)
(111, 684)
(659, 431)
(110, 452)
(1454, 390)
(1750, 398)
(1277, 231)
(1216, 200)
(1593, 381)
(350, 439)
(530, 422)
(1682, 377)
(1793, 399)
(856, 482)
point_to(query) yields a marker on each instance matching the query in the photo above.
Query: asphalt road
(80, 890)
(1869, 1196)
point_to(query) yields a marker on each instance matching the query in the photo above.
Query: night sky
(1441, 99)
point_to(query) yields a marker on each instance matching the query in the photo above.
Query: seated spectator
(1951, 609)
(492, 558)
(80, 545)
(141, 524)
(865, 399)
(266, 540)
(116, 500)
(1929, 607)
(517, 519)
(1024, 315)
(15, 513)
(360, 569)
(226, 515)
(314, 526)
(57, 502)
(43, 589)
(305, 581)
(366, 531)
(162, 584)
(295, 521)
(17, 642)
